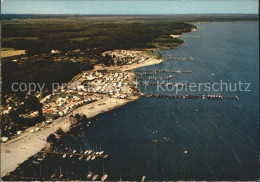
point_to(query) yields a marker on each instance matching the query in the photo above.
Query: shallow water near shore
(148, 137)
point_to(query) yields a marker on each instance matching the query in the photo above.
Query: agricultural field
(9, 52)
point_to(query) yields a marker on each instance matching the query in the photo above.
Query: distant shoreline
(182, 17)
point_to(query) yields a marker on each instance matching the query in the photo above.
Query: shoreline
(20, 149)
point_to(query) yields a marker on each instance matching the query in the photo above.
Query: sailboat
(93, 156)
(95, 177)
(86, 151)
(61, 175)
(101, 152)
(89, 174)
(81, 151)
(104, 177)
(97, 153)
(105, 156)
(88, 158)
(93, 151)
(70, 150)
(90, 151)
(74, 151)
(81, 157)
(54, 174)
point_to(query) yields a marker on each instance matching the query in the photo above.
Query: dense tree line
(75, 35)
(44, 72)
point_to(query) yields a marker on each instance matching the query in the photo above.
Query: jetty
(154, 78)
(162, 71)
(168, 58)
(165, 84)
(75, 154)
(144, 74)
(213, 97)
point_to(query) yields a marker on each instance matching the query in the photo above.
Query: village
(128, 57)
(85, 88)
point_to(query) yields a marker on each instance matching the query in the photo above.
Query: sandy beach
(18, 150)
(151, 61)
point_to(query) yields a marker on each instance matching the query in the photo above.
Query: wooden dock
(213, 97)
(165, 84)
(171, 58)
(75, 154)
(161, 71)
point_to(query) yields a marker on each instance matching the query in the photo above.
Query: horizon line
(131, 14)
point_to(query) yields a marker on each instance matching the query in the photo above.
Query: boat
(93, 151)
(54, 174)
(71, 156)
(97, 153)
(88, 158)
(35, 162)
(61, 175)
(70, 150)
(101, 152)
(40, 159)
(89, 175)
(104, 177)
(93, 157)
(81, 151)
(95, 177)
(64, 155)
(105, 156)
(74, 151)
(81, 157)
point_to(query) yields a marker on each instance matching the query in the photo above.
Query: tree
(84, 117)
(60, 132)
(77, 116)
(51, 139)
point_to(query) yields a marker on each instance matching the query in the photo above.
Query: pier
(169, 58)
(165, 84)
(155, 78)
(162, 71)
(144, 74)
(76, 154)
(213, 97)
